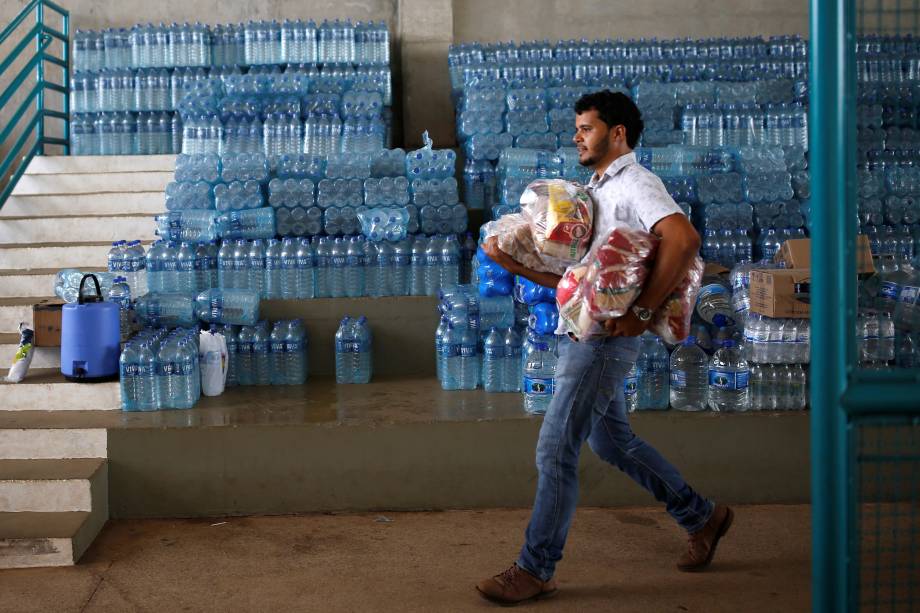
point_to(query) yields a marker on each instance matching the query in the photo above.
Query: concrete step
(16, 310)
(51, 486)
(90, 255)
(95, 164)
(46, 389)
(42, 357)
(39, 443)
(51, 204)
(30, 539)
(88, 228)
(94, 183)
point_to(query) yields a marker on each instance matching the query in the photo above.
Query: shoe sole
(723, 530)
(508, 603)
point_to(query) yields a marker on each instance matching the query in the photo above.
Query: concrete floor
(616, 560)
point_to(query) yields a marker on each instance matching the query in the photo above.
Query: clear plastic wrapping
(561, 215)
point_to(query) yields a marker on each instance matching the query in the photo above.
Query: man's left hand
(627, 325)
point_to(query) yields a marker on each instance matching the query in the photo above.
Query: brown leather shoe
(702, 545)
(515, 586)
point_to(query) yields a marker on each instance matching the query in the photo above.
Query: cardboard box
(46, 319)
(796, 253)
(773, 292)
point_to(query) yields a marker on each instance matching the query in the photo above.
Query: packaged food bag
(214, 362)
(573, 309)
(515, 237)
(561, 215)
(672, 319)
(617, 270)
(22, 359)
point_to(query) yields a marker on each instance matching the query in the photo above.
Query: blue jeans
(589, 405)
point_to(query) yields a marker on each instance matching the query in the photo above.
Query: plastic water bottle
(120, 294)
(449, 356)
(355, 268)
(653, 372)
(261, 363)
(304, 282)
(689, 374)
(432, 273)
(273, 271)
(469, 360)
(418, 267)
(713, 305)
(337, 265)
(513, 366)
(363, 366)
(295, 351)
(256, 268)
(322, 262)
(539, 373)
(228, 306)
(493, 361)
(146, 380)
(631, 389)
(729, 376)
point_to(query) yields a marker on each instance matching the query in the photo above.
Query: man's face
(592, 138)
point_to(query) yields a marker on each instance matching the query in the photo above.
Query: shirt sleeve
(651, 200)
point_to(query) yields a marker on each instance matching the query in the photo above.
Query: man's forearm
(546, 279)
(672, 262)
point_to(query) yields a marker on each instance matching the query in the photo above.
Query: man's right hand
(490, 246)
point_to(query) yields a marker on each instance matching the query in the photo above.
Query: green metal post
(40, 77)
(832, 156)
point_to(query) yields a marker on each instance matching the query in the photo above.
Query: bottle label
(538, 386)
(256, 263)
(225, 264)
(293, 346)
(304, 262)
(761, 335)
(401, 260)
(493, 353)
(260, 347)
(432, 260)
(870, 329)
(288, 263)
(449, 350)
(725, 380)
(272, 263)
(678, 379)
(168, 265)
(449, 260)
(355, 260)
(130, 370)
(630, 386)
(909, 294)
(339, 261)
(185, 266)
(277, 346)
(349, 346)
(467, 351)
(177, 369)
(889, 290)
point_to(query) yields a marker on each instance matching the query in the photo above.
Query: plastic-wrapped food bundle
(515, 237)
(561, 214)
(671, 321)
(573, 309)
(384, 223)
(618, 269)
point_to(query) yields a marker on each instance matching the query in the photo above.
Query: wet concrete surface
(618, 559)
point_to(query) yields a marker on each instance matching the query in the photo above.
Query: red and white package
(561, 214)
(672, 319)
(573, 311)
(618, 268)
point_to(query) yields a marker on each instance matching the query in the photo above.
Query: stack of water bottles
(353, 351)
(159, 369)
(266, 353)
(128, 84)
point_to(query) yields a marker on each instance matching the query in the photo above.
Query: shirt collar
(616, 166)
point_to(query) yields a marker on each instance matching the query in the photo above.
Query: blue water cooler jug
(90, 337)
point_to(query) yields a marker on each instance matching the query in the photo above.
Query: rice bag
(617, 271)
(671, 320)
(561, 215)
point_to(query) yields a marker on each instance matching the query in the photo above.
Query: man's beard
(592, 161)
(589, 163)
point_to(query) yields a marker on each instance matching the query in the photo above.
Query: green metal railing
(32, 138)
(865, 425)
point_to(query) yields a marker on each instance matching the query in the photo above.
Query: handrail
(32, 140)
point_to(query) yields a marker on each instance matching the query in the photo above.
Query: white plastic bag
(22, 359)
(213, 359)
